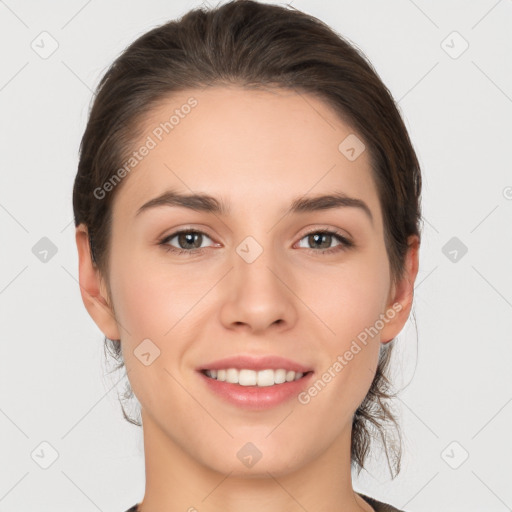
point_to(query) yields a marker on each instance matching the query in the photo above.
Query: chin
(254, 459)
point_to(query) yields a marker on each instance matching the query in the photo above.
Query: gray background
(456, 372)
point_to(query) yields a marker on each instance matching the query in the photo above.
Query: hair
(256, 46)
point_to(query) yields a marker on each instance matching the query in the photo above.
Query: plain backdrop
(448, 65)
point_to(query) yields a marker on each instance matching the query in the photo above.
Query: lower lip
(255, 397)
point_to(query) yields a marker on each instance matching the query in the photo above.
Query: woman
(247, 209)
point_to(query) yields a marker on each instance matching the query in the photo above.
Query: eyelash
(344, 242)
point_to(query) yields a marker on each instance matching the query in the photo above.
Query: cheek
(137, 302)
(351, 308)
(150, 306)
(150, 296)
(351, 298)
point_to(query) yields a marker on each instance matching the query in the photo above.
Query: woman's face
(261, 280)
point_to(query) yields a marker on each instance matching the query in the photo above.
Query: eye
(189, 241)
(316, 239)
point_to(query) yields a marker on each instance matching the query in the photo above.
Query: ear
(93, 288)
(401, 294)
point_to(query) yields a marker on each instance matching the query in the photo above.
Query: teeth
(254, 378)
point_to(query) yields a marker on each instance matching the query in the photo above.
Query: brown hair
(253, 45)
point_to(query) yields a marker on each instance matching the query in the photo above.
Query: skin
(257, 150)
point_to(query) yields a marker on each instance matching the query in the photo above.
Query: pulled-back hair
(256, 46)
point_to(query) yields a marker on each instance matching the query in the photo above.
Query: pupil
(316, 236)
(186, 238)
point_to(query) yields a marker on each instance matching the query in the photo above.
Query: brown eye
(188, 241)
(321, 242)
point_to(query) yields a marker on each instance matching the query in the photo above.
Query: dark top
(377, 505)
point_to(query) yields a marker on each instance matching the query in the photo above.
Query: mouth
(255, 378)
(255, 390)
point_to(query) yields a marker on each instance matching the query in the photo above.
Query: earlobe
(92, 287)
(401, 298)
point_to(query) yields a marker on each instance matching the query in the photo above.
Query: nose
(258, 293)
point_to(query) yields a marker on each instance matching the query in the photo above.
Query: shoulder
(379, 506)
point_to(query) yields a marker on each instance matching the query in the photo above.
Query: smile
(261, 378)
(247, 390)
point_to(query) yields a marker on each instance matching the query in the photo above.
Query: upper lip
(255, 363)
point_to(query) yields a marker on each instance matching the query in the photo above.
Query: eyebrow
(209, 204)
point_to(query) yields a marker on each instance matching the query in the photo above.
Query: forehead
(252, 147)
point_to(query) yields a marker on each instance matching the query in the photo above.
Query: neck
(177, 481)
